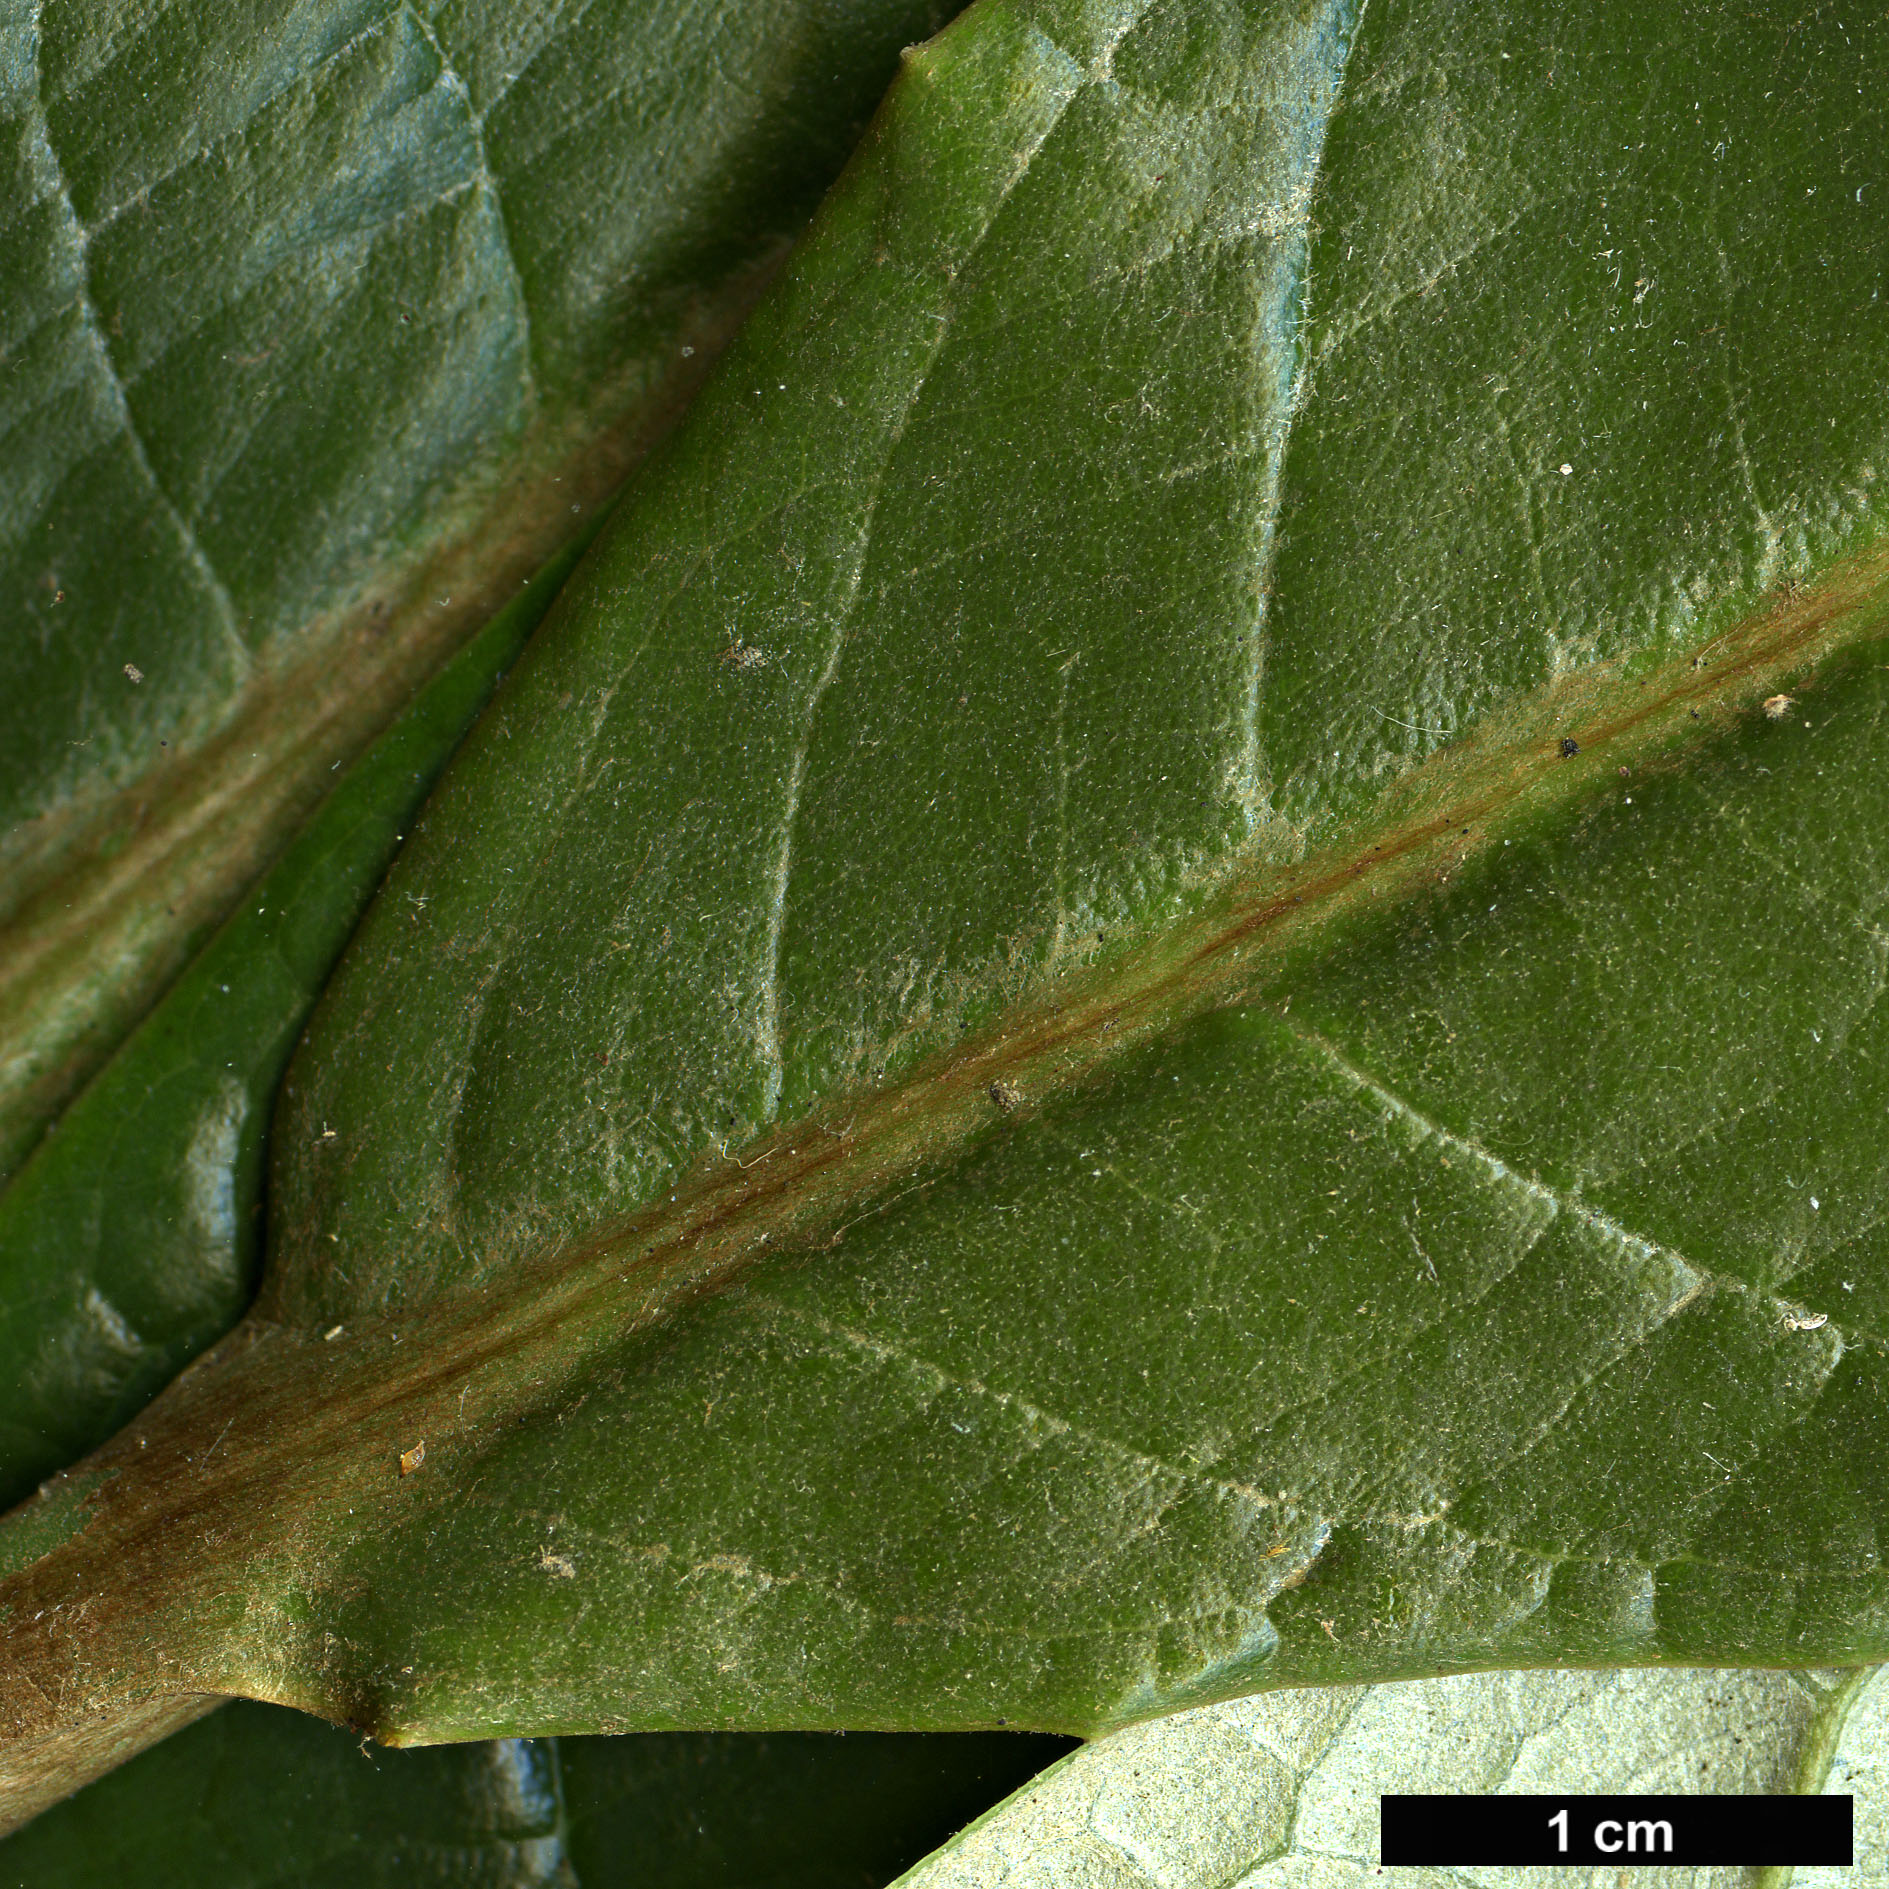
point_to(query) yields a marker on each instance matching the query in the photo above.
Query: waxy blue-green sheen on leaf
(1011, 1081)
(321, 322)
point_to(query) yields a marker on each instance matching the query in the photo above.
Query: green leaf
(254, 1795)
(1285, 1789)
(323, 321)
(1038, 1067)
(130, 1238)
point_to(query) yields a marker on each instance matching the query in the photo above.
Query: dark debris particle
(1569, 747)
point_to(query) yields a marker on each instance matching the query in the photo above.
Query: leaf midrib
(312, 1430)
(110, 895)
(768, 1021)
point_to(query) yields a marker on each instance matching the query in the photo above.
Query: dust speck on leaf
(1777, 706)
(1006, 1095)
(557, 1565)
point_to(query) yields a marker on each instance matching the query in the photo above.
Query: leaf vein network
(222, 605)
(768, 1022)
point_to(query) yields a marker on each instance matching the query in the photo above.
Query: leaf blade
(286, 422)
(735, 1585)
(130, 1238)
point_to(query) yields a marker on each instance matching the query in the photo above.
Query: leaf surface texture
(1284, 1790)
(1132, 1005)
(324, 320)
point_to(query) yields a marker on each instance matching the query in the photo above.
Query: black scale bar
(1628, 1832)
